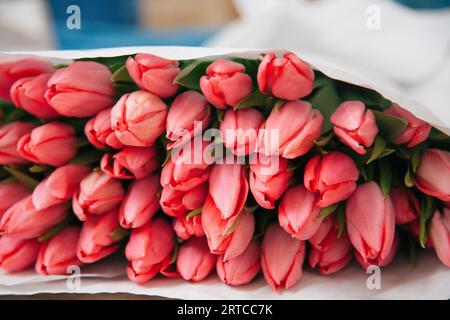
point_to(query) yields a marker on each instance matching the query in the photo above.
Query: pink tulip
(141, 202)
(298, 213)
(229, 237)
(281, 258)
(59, 186)
(177, 203)
(269, 179)
(185, 228)
(290, 130)
(28, 94)
(228, 189)
(370, 222)
(380, 262)
(10, 134)
(10, 193)
(59, 253)
(239, 130)
(330, 252)
(225, 83)
(354, 125)
(97, 237)
(188, 116)
(433, 174)
(416, 131)
(138, 119)
(147, 249)
(98, 193)
(99, 133)
(439, 233)
(288, 78)
(131, 163)
(154, 73)
(52, 143)
(80, 90)
(194, 261)
(187, 169)
(17, 255)
(11, 71)
(24, 221)
(333, 176)
(406, 205)
(241, 269)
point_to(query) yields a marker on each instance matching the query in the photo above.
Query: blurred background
(405, 42)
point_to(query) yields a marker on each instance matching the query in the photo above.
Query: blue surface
(426, 4)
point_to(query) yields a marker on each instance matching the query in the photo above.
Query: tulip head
(439, 233)
(288, 78)
(225, 83)
(186, 228)
(17, 255)
(11, 193)
(405, 203)
(354, 125)
(176, 203)
(433, 174)
(10, 134)
(99, 133)
(154, 74)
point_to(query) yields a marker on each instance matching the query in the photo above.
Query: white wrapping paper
(428, 279)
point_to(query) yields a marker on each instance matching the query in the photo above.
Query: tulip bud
(288, 78)
(10, 134)
(229, 237)
(439, 233)
(241, 269)
(57, 254)
(80, 90)
(433, 174)
(10, 193)
(24, 221)
(329, 251)
(228, 189)
(370, 222)
(187, 168)
(281, 258)
(131, 163)
(41, 144)
(382, 262)
(194, 261)
(96, 238)
(28, 94)
(141, 202)
(188, 116)
(154, 74)
(99, 133)
(59, 186)
(97, 194)
(239, 130)
(225, 83)
(17, 255)
(416, 130)
(177, 203)
(290, 130)
(354, 125)
(11, 71)
(185, 228)
(147, 248)
(138, 119)
(406, 205)
(333, 176)
(298, 213)
(269, 179)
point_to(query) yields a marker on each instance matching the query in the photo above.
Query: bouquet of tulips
(225, 165)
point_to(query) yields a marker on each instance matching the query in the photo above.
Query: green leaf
(341, 218)
(122, 75)
(189, 77)
(324, 140)
(439, 139)
(194, 213)
(15, 115)
(390, 127)
(235, 224)
(255, 99)
(325, 212)
(409, 179)
(326, 99)
(415, 157)
(369, 97)
(426, 211)
(377, 149)
(119, 233)
(89, 156)
(385, 176)
(21, 177)
(320, 79)
(251, 66)
(113, 63)
(38, 168)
